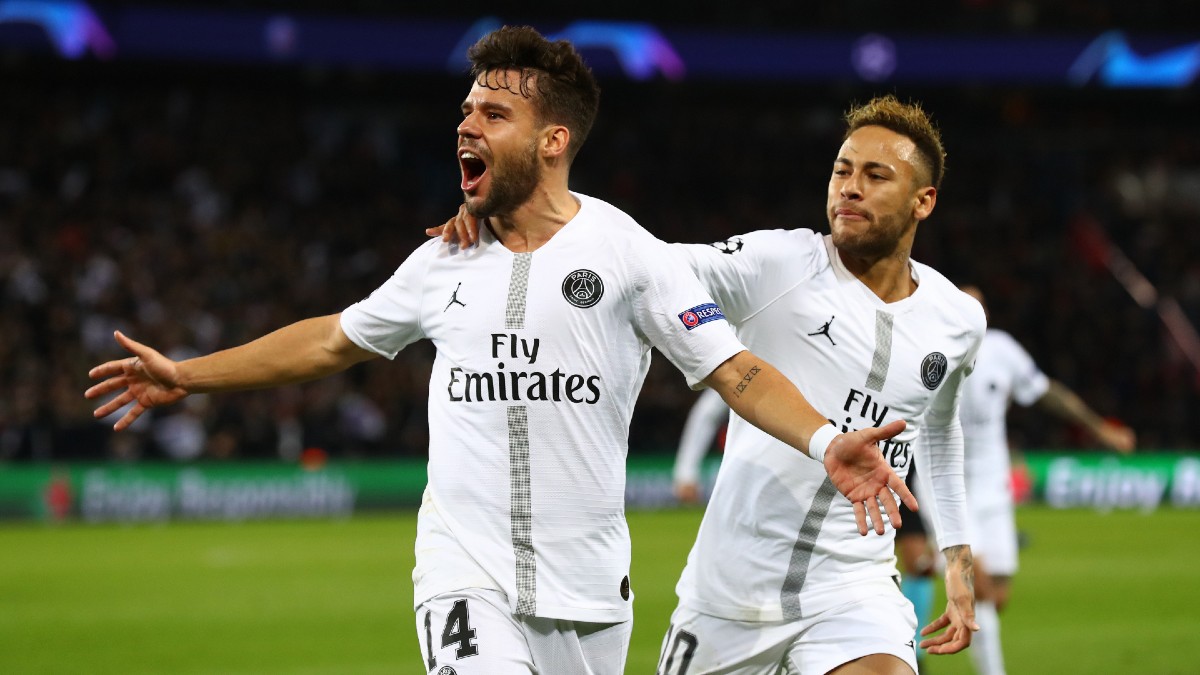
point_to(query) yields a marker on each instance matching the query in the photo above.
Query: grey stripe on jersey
(883, 351)
(518, 285)
(520, 499)
(522, 509)
(803, 548)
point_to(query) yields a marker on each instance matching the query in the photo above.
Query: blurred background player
(1004, 373)
(704, 421)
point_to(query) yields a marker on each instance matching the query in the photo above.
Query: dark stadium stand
(196, 207)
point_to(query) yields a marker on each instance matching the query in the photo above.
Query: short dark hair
(567, 92)
(906, 119)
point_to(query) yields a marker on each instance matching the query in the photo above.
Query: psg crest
(933, 370)
(583, 288)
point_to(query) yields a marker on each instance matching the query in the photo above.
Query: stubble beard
(877, 241)
(513, 182)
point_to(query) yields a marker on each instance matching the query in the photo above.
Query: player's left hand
(959, 618)
(857, 469)
(463, 227)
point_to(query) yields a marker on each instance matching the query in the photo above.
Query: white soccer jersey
(778, 541)
(540, 357)
(1005, 372)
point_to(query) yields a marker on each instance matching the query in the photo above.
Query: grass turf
(1096, 593)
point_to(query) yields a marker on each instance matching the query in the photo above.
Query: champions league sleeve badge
(701, 314)
(729, 246)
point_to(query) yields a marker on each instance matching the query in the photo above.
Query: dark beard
(513, 183)
(877, 242)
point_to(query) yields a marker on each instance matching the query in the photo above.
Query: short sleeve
(677, 315)
(750, 271)
(389, 319)
(1029, 382)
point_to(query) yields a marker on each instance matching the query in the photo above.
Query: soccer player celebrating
(778, 581)
(1006, 372)
(543, 333)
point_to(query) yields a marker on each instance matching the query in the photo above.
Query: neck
(889, 277)
(532, 224)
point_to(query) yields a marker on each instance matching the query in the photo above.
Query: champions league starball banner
(636, 50)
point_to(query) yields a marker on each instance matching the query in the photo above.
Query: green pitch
(1096, 594)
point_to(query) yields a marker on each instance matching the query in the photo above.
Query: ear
(555, 140)
(924, 201)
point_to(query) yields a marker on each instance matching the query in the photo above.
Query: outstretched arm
(1066, 404)
(762, 396)
(305, 350)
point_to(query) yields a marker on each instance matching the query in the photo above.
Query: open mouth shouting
(474, 168)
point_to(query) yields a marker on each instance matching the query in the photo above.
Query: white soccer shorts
(699, 644)
(994, 538)
(473, 632)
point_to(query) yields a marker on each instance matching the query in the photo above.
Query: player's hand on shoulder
(857, 469)
(463, 227)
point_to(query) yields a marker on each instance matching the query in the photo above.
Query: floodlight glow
(1111, 59)
(71, 26)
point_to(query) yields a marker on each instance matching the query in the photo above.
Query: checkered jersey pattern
(522, 509)
(518, 287)
(883, 350)
(521, 500)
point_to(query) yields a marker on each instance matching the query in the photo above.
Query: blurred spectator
(202, 208)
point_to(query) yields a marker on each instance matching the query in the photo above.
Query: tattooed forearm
(960, 557)
(741, 386)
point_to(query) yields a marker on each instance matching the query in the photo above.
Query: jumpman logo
(454, 298)
(824, 330)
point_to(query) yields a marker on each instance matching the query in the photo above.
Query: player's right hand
(857, 469)
(147, 379)
(463, 227)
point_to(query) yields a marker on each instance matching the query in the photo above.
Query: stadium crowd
(202, 208)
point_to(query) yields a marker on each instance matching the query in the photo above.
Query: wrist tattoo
(741, 386)
(961, 556)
